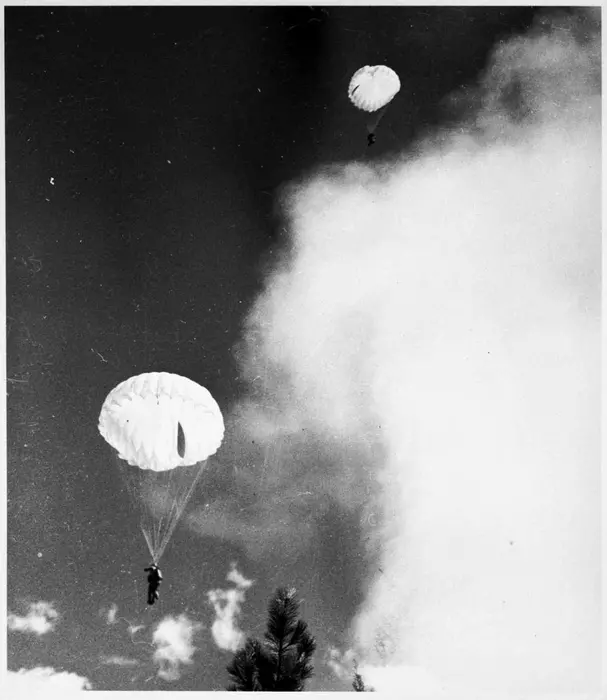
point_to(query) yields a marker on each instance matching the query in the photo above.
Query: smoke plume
(427, 351)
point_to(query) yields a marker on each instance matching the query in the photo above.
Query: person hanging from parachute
(371, 89)
(164, 427)
(154, 579)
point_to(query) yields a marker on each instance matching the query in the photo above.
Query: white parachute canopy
(373, 87)
(164, 427)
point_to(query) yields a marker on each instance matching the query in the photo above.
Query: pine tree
(358, 684)
(282, 661)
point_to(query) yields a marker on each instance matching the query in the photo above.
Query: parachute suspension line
(147, 520)
(133, 478)
(159, 524)
(374, 123)
(174, 489)
(179, 505)
(166, 498)
(176, 498)
(147, 538)
(156, 523)
(169, 495)
(176, 478)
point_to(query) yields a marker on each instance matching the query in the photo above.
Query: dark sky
(145, 148)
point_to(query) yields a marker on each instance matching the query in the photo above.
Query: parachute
(371, 89)
(163, 427)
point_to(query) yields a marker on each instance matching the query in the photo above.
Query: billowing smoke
(428, 352)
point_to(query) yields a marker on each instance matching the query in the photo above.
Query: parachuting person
(154, 579)
(164, 427)
(371, 89)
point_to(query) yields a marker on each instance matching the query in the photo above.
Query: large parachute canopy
(373, 87)
(164, 427)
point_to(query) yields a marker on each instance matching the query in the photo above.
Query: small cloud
(236, 577)
(40, 619)
(173, 638)
(119, 661)
(111, 617)
(111, 614)
(43, 681)
(227, 605)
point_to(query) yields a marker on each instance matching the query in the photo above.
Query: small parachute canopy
(160, 421)
(163, 427)
(373, 87)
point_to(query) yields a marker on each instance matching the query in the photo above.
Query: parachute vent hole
(180, 440)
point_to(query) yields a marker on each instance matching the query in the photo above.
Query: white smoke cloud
(41, 618)
(43, 682)
(174, 640)
(341, 663)
(392, 679)
(383, 679)
(227, 605)
(444, 311)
